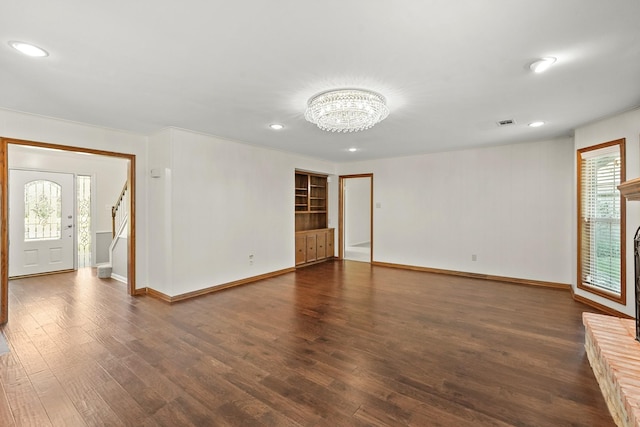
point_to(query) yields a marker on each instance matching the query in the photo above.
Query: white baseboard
(119, 278)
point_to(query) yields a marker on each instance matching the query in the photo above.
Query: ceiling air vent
(507, 122)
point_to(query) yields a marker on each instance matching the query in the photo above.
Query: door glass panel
(42, 210)
(83, 216)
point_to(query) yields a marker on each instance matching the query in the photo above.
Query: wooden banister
(116, 207)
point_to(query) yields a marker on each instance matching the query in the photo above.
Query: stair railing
(119, 211)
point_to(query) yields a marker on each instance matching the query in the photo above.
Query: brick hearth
(614, 355)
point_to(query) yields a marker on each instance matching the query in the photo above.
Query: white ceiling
(449, 69)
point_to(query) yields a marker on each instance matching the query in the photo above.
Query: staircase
(119, 222)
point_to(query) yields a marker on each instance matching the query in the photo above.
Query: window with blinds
(601, 211)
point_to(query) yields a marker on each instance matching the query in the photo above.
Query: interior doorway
(5, 228)
(356, 217)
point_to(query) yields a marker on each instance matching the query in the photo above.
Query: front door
(40, 222)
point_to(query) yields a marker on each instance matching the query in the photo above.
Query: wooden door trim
(341, 183)
(4, 237)
(4, 213)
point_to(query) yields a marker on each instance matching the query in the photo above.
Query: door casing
(341, 185)
(4, 214)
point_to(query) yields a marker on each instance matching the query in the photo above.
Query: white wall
(103, 241)
(43, 129)
(509, 205)
(215, 203)
(227, 201)
(218, 201)
(119, 259)
(626, 126)
(160, 215)
(357, 217)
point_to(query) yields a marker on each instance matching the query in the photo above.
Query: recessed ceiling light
(542, 65)
(276, 126)
(536, 124)
(28, 49)
(353, 149)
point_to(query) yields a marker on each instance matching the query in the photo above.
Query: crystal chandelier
(346, 110)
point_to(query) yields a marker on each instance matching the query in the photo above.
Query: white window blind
(600, 213)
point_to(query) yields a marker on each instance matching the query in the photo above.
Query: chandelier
(346, 110)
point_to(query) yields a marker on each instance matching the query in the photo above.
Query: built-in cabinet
(314, 246)
(314, 241)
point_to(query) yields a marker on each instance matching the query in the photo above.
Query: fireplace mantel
(630, 190)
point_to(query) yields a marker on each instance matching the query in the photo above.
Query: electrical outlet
(474, 257)
(251, 259)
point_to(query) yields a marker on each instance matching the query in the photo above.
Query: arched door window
(42, 210)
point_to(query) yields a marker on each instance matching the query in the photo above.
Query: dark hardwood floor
(335, 344)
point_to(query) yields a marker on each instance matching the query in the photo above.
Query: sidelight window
(83, 218)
